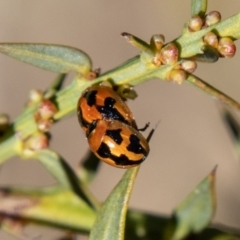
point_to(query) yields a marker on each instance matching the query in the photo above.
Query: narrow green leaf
(110, 222)
(55, 58)
(197, 209)
(60, 169)
(52, 206)
(199, 7)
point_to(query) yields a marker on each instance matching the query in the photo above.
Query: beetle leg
(151, 132)
(144, 128)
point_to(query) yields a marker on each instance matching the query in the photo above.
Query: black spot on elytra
(122, 160)
(109, 102)
(108, 111)
(115, 135)
(104, 151)
(135, 145)
(90, 97)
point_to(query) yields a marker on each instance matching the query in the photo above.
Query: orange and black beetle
(110, 128)
(117, 143)
(102, 102)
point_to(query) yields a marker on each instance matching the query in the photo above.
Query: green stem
(197, 82)
(8, 149)
(134, 71)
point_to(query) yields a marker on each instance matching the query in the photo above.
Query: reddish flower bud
(188, 66)
(169, 54)
(211, 39)
(35, 96)
(195, 23)
(226, 47)
(212, 18)
(177, 75)
(46, 109)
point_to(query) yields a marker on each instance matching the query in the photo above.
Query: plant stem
(197, 82)
(8, 149)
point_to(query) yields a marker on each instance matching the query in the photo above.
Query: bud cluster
(44, 115)
(224, 45)
(179, 73)
(159, 53)
(44, 119)
(197, 23)
(167, 54)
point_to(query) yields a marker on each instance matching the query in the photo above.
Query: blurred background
(191, 138)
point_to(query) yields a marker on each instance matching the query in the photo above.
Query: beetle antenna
(152, 131)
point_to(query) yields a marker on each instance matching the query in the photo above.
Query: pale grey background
(191, 138)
